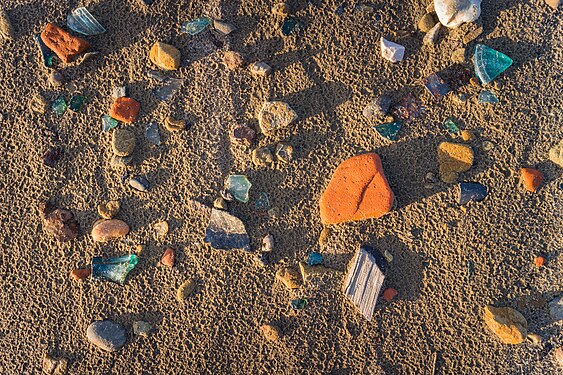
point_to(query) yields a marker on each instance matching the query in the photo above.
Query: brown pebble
(271, 332)
(467, 136)
(168, 258)
(80, 273)
(107, 230)
(323, 238)
(56, 78)
(108, 210)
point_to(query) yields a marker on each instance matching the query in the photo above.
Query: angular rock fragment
(125, 109)
(275, 115)
(453, 13)
(54, 365)
(6, 28)
(453, 158)
(59, 222)
(226, 232)
(508, 324)
(391, 51)
(556, 154)
(531, 179)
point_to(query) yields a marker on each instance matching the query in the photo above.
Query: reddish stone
(66, 46)
(531, 179)
(168, 258)
(242, 134)
(539, 261)
(80, 273)
(389, 294)
(125, 109)
(358, 190)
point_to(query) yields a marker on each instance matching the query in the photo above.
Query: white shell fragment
(453, 13)
(392, 51)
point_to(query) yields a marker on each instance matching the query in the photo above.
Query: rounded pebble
(262, 157)
(123, 142)
(467, 136)
(106, 335)
(107, 230)
(426, 23)
(139, 184)
(168, 257)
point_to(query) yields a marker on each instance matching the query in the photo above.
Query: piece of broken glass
(152, 134)
(451, 126)
(108, 123)
(226, 232)
(388, 131)
(238, 186)
(59, 106)
(46, 54)
(487, 97)
(81, 21)
(76, 102)
(298, 304)
(408, 108)
(489, 63)
(471, 191)
(196, 26)
(170, 88)
(437, 86)
(113, 269)
(263, 202)
(289, 25)
(314, 258)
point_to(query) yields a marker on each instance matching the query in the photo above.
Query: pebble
(539, 261)
(453, 13)
(165, 56)
(389, 294)
(271, 332)
(454, 158)
(289, 277)
(118, 162)
(59, 222)
(232, 60)
(308, 272)
(458, 56)
(534, 338)
(556, 308)
(123, 142)
(281, 10)
(388, 256)
(554, 4)
(324, 236)
(173, 125)
(559, 356)
(80, 273)
(378, 107)
(242, 134)
(56, 78)
(431, 36)
(109, 210)
(161, 228)
(467, 136)
(268, 243)
(508, 324)
(168, 257)
(487, 145)
(54, 365)
(224, 27)
(262, 157)
(531, 179)
(556, 154)
(119, 92)
(472, 34)
(391, 51)
(107, 230)
(221, 204)
(260, 68)
(275, 115)
(139, 183)
(426, 23)
(6, 28)
(185, 290)
(107, 335)
(142, 328)
(38, 104)
(284, 152)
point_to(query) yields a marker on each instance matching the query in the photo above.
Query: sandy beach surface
(328, 71)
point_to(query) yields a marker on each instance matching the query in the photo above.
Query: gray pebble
(139, 183)
(106, 335)
(119, 92)
(142, 328)
(556, 308)
(56, 78)
(224, 27)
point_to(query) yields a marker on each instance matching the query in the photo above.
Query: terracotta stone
(66, 46)
(389, 294)
(289, 277)
(358, 190)
(165, 56)
(539, 261)
(553, 3)
(106, 230)
(531, 179)
(454, 158)
(508, 324)
(125, 109)
(80, 273)
(168, 258)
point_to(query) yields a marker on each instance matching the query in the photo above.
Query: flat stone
(508, 324)
(232, 60)
(168, 258)
(66, 46)
(107, 230)
(262, 157)
(109, 210)
(289, 277)
(453, 158)
(426, 23)
(242, 134)
(125, 109)
(123, 142)
(140, 184)
(309, 272)
(165, 56)
(224, 27)
(142, 328)
(389, 294)
(275, 115)
(531, 179)
(174, 125)
(54, 365)
(185, 290)
(271, 332)
(556, 154)
(106, 335)
(556, 308)
(431, 36)
(358, 190)
(260, 68)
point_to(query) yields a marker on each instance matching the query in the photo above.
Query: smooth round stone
(139, 184)
(107, 335)
(123, 142)
(426, 23)
(56, 78)
(107, 230)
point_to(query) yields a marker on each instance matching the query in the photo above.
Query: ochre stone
(66, 46)
(165, 56)
(358, 190)
(80, 273)
(508, 324)
(106, 230)
(454, 158)
(125, 109)
(531, 179)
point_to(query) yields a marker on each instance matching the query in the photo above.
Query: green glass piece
(196, 26)
(108, 123)
(76, 102)
(298, 304)
(289, 25)
(487, 97)
(46, 54)
(489, 63)
(113, 269)
(451, 126)
(238, 185)
(59, 106)
(388, 131)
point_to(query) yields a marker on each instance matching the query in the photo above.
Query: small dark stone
(56, 78)
(243, 134)
(51, 156)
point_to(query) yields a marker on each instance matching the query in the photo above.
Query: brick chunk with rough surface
(125, 109)
(66, 46)
(358, 190)
(531, 179)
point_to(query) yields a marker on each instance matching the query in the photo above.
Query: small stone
(221, 204)
(275, 115)
(80, 273)
(430, 177)
(161, 228)
(289, 277)
(165, 56)
(534, 338)
(123, 142)
(531, 179)
(173, 125)
(54, 365)
(391, 51)
(66, 46)
(139, 183)
(271, 332)
(388, 256)
(56, 78)
(323, 238)
(556, 308)
(38, 104)
(260, 68)
(453, 158)
(458, 56)
(467, 136)
(262, 157)
(6, 28)
(389, 294)
(431, 36)
(59, 222)
(106, 335)
(282, 10)
(268, 243)
(378, 108)
(168, 257)
(125, 109)
(50, 157)
(224, 27)
(232, 60)
(107, 230)
(556, 154)
(242, 134)
(118, 162)
(141, 328)
(453, 13)
(308, 272)
(539, 261)
(426, 23)
(284, 152)
(185, 290)
(109, 210)
(508, 324)
(559, 356)
(553, 4)
(119, 92)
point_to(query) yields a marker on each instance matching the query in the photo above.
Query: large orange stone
(66, 46)
(358, 190)
(125, 109)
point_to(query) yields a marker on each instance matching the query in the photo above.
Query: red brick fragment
(389, 294)
(125, 109)
(80, 273)
(66, 46)
(168, 258)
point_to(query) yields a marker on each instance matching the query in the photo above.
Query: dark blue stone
(471, 191)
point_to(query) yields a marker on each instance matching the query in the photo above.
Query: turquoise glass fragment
(451, 126)
(81, 21)
(108, 123)
(388, 131)
(314, 258)
(238, 186)
(59, 106)
(152, 134)
(113, 269)
(289, 25)
(489, 63)
(76, 102)
(298, 304)
(46, 54)
(196, 26)
(487, 97)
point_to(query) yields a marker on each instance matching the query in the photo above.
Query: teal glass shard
(113, 269)
(298, 304)
(46, 54)
(263, 202)
(81, 21)
(451, 126)
(196, 26)
(76, 102)
(152, 134)
(489, 63)
(59, 106)
(314, 258)
(389, 131)
(108, 123)
(487, 97)
(289, 25)
(238, 186)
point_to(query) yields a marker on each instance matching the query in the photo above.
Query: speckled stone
(107, 335)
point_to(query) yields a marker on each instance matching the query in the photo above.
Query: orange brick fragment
(539, 261)
(66, 46)
(358, 190)
(168, 258)
(80, 273)
(125, 109)
(389, 294)
(531, 179)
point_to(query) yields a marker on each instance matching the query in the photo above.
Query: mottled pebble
(119, 92)
(224, 27)
(161, 228)
(123, 142)
(107, 230)
(173, 125)
(260, 69)
(262, 156)
(106, 335)
(56, 78)
(467, 136)
(284, 152)
(242, 134)
(54, 365)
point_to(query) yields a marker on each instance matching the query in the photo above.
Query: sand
(328, 72)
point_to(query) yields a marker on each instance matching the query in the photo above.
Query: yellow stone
(453, 158)
(289, 277)
(508, 324)
(467, 136)
(165, 56)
